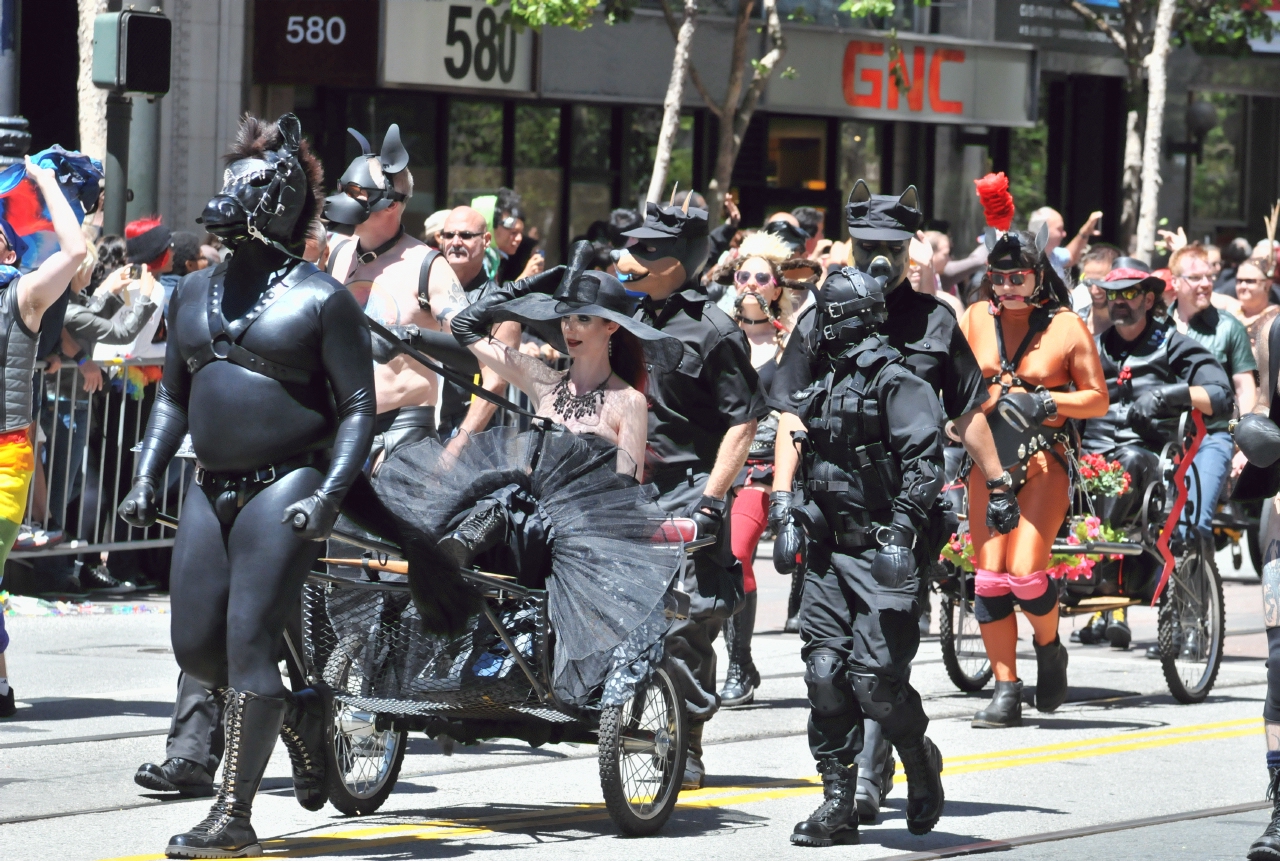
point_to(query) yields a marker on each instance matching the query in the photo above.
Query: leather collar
(364, 258)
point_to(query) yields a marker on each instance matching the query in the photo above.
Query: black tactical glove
(710, 520)
(313, 517)
(1003, 513)
(138, 508)
(893, 566)
(1159, 402)
(1034, 407)
(790, 544)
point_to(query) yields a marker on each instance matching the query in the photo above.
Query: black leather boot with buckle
(1267, 847)
(253, 723)
(742, 678)
(875, 770)
(836, 819)
(303, 734)
(922, 761)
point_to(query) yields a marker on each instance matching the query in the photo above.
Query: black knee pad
(824, 675)
(878, 695)
(1046, 602)
(987, 610)
(1271, 708)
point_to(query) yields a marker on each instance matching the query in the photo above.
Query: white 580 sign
(459, 43)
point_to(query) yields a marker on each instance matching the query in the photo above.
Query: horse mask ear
(394, 157)
(990, 238)
(290, 131)
(861, 193)
(1042, 238)
(910, 198)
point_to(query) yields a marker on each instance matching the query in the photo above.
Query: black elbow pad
(1221, 399)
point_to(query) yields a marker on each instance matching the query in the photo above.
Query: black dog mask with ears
(886, 223)
(678, 232)
(366, 186)
(1008, 251)
(263, 196)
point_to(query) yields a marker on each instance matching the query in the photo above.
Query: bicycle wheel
(1192, 625)
(364, 761)
(642, 752)
(963, 653)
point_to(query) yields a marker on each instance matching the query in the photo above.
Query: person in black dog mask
(867, 434)
(702, 418)
(926, 332)
(272, 340)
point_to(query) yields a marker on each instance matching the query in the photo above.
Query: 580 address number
(315, 30)
(491, 50)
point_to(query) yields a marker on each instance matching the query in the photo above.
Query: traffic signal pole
(116, 165)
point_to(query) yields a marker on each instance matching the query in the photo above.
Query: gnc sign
(946, 80)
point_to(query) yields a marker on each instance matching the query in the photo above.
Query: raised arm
(444, 292)
(480, 411)
(471, 328)
(39, 289)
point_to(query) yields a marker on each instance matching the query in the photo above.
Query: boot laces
(916, 763)
(836, 790)
(1273, 795)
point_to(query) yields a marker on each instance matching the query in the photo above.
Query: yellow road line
(728, 796)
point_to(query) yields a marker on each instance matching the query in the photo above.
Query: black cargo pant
(858, 658)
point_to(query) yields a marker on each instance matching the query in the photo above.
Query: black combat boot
(792, 625)
(1051, 675)
(742, 678)
(303, 734)
(188, 779)
(922, 761)
(836, 818)
(694, 771)
(1005, 708)
(875, 771)
(482, 529)
(1117, 630)
(1092, 633)
(1267, 847)
(253, 723)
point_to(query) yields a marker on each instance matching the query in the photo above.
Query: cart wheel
(364, 761)
(1191, 626)
(642, 754)
(963, 653)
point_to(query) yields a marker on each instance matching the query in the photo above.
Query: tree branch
(763, 69)
(693, 71)
(1093, 18)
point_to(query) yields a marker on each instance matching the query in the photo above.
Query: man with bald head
(463, 239)
(787, 227)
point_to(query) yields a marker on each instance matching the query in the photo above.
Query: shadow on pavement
(75, 709)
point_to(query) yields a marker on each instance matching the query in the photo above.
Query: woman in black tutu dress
(561, 505)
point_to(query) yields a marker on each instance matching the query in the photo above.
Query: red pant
(748, 519)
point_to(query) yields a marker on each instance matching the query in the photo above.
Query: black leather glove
(1003, 513)
(138, 508)
(544, 282)
(1160, 402)
(1034, 407)
(893, 566)
(790, 544)
(710, 520)
(471, 324)
(313, 517)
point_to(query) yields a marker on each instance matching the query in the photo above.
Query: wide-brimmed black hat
(596, 294)
(883, 217)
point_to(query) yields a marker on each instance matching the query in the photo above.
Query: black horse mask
(263, 196)
(366, 185)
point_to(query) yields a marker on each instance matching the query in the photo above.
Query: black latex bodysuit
(235, 579)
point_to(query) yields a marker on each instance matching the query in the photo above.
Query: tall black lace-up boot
(792, 625)
(875, 771)
(742, 678)
(836, 819)
(922, 761)
(253, 723)
(303, 735)
(482, 529)
(1267, 847)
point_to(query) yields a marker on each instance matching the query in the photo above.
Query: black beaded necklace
(570, 406)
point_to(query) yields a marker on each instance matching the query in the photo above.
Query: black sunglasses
(1017, 277)
(465, 235)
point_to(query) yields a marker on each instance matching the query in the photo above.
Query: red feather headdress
(997, 202)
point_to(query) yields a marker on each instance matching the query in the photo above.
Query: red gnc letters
(873, 94)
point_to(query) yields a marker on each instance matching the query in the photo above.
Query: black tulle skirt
(592, 530)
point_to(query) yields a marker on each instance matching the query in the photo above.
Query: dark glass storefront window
(859, 155)
(371, 114)
(1217, 184)
(797, 153)
(538, 175)
(640, 141)
(475, 150)
(591, 186)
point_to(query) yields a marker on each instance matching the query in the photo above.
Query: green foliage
(1217, 192)
(869, 8)
(801, 15)
(1028, 166)
(1221, 26)
(789, 73)
(563, 13)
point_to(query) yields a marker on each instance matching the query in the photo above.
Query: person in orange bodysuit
(1047, 372)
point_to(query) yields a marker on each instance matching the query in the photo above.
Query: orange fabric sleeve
(1089, 400)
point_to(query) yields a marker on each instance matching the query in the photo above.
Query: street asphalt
(1121, 772)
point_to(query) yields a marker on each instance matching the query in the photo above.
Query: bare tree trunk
(92, 101)
(1157, 82)
(671, 104)
(1131, 182)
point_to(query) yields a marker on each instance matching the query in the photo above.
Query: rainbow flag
(80, 178)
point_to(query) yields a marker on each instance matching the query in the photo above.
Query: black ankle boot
(836, 818)
(793, 603)
(1005, 708)
(188, 779)
(1117, 631)
(742, 678)
(482, 529)
(875, 770)
(922, 762)
(1267, 847)
(303, 734)
(1092, 633)
(1051, 675)
(253, 723)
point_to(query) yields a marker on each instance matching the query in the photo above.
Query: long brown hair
(626, 358)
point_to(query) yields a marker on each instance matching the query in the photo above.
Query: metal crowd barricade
(85, 450)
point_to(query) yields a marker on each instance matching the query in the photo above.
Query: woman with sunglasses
(763, 311)
(1257, 313)
(559, 507)
(1042, 368)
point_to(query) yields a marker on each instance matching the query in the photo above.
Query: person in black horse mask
(270, 339)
